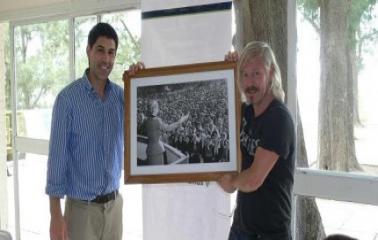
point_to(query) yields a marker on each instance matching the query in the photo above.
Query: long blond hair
(262, 49)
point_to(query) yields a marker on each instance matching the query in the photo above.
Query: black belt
(105, 198)
(249, 234)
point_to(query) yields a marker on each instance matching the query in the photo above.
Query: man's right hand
(231, 57)
(133, 69)
(225, 182)
(58, 228)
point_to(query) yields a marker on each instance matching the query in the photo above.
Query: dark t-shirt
(267, 210)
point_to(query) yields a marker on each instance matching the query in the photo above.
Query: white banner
(185, 211)
(174, 33)
(186, 38)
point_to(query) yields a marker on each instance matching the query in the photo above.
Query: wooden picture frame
(182, 123)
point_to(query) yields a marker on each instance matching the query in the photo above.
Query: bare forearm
(55, 208)
(250, 179)
(58, 227)
(246, 181)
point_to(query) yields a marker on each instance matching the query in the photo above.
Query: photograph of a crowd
(183, 123)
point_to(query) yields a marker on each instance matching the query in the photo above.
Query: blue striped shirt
(86, 141)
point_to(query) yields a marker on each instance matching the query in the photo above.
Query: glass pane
(336, 92)
(128, 27)
(34, 204)
(42, 69)
(308, 71)
(82, 27)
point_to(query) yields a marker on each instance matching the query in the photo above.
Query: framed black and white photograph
(181, 123)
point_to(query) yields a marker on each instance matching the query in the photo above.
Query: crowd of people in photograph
(203, 137)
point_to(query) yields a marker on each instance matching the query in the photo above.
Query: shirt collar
(88, 85)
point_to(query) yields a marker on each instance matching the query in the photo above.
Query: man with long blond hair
(267, 142)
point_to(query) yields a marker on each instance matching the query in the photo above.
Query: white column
(185, 211)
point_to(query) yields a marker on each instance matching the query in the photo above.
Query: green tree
(7, 68)
(340, 65)
(129, 48)
(41, 57)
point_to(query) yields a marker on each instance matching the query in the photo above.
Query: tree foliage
(7, 68)
(42, 59)
(42, 62)
(360, 15)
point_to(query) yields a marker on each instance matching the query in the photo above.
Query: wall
(20, 10)
(21, 4)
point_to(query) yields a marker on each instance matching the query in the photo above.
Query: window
(5, 139)
(42, 69)
(129, 32)
(82, 27)
(339, 123)
(335, 63)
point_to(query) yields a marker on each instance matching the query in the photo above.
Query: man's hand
(226, 183)
(58, 228)
(231, 57)
(133, 69)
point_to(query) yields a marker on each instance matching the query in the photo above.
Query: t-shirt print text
(246, 138)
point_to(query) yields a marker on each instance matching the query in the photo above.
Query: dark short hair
(102, 30)
(339, 237)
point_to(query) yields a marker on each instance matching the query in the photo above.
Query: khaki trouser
(94, 221)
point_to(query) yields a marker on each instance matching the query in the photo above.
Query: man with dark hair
(339, 237)
(102, 30)
(86, 148)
